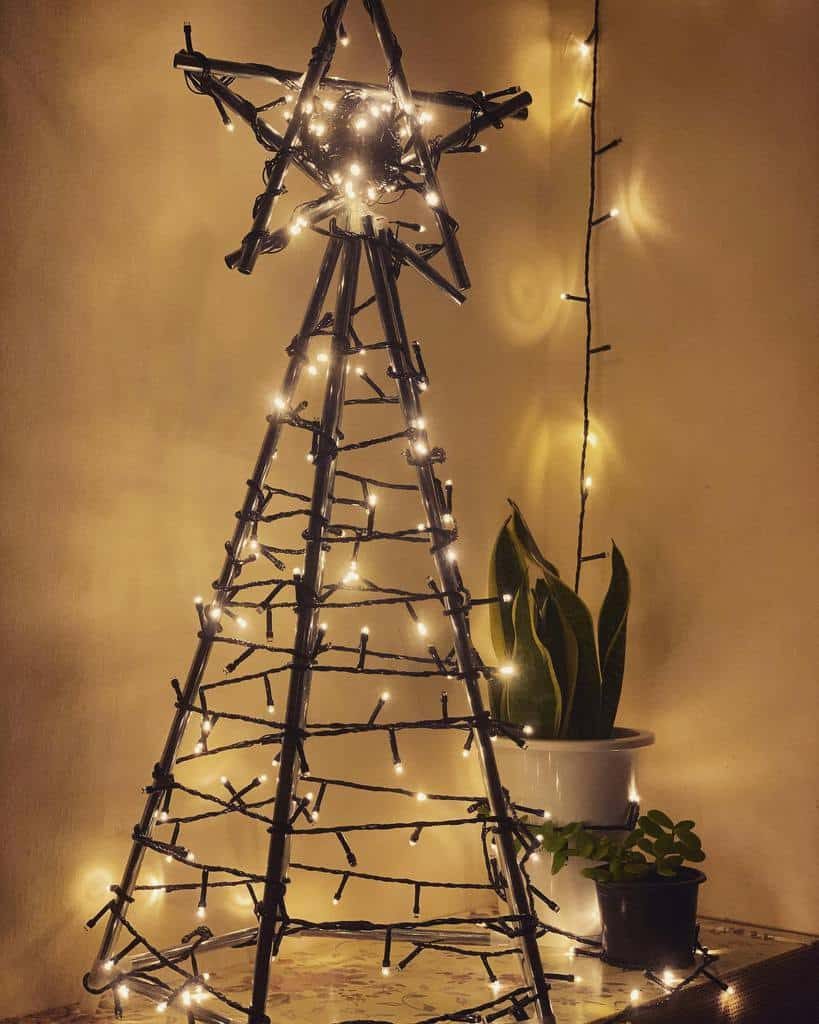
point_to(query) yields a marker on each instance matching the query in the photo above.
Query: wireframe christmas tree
(365, 146)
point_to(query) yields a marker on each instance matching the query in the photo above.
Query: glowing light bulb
(199, 747)
(421, 448)
(318, 128)
(506, 598)
(592, 439)
(215, 613)
(190, 856)
(309, 456)
(451, 555)
(399, 768)
(385, 971)
(263, 778)
(365, 630)
(109, 965)
(349, 188)
(355, 170)
(361, 124)
(161, 1007)
(198, 600)
(535, 856)
(201, 912)
(507, 670)
(359, 371)
(371, 194)
(584, 49)
(241, 623)
(495, 984)
(385, 696)
(345, 40)
(634, 995)
(312, 370)
(527, 730)
(163, 816)
(564, 295)
(668, 976)
(422, 629)
(420, 796)
(587, 483)
(432, 198)
(482, 148)
(577, 979)
(425, 117)
(322, 357)
(279, 402)
(186, 998)
(614, 212)
(308, 107)
(123, 991)
(729, 991)
(372, 501)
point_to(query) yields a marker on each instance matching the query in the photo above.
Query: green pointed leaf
(666, 872)
(646, 844)
(532, 694)
(507, 575)
(524, 537)
(686, 825)
(695, 856)
(612, 639)
(660, 819)
(560, 641)
(584, 721)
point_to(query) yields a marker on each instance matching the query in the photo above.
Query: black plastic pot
(650, 923)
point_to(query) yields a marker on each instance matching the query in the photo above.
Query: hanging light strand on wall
(590, 48)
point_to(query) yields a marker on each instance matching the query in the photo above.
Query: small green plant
(656, 847)
(560, 677)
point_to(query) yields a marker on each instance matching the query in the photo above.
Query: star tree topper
(363, 144)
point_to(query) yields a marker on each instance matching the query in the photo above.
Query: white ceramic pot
(573, 780)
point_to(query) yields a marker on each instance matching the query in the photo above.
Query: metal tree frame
(361, 237)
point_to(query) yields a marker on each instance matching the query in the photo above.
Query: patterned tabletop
(345, 982)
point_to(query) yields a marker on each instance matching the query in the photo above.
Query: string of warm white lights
(589, 48)
(361, 144)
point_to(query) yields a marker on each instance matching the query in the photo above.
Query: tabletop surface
(329, 980)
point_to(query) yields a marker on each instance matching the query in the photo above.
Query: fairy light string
(310, 588)
(590, 47)
(328, 124)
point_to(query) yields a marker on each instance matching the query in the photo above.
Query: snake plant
(559, 676)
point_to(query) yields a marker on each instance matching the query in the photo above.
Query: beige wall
(136, 369)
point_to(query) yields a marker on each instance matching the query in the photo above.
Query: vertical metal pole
(389, 308)
(403, 93)
(98, 976)
(298, 696)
